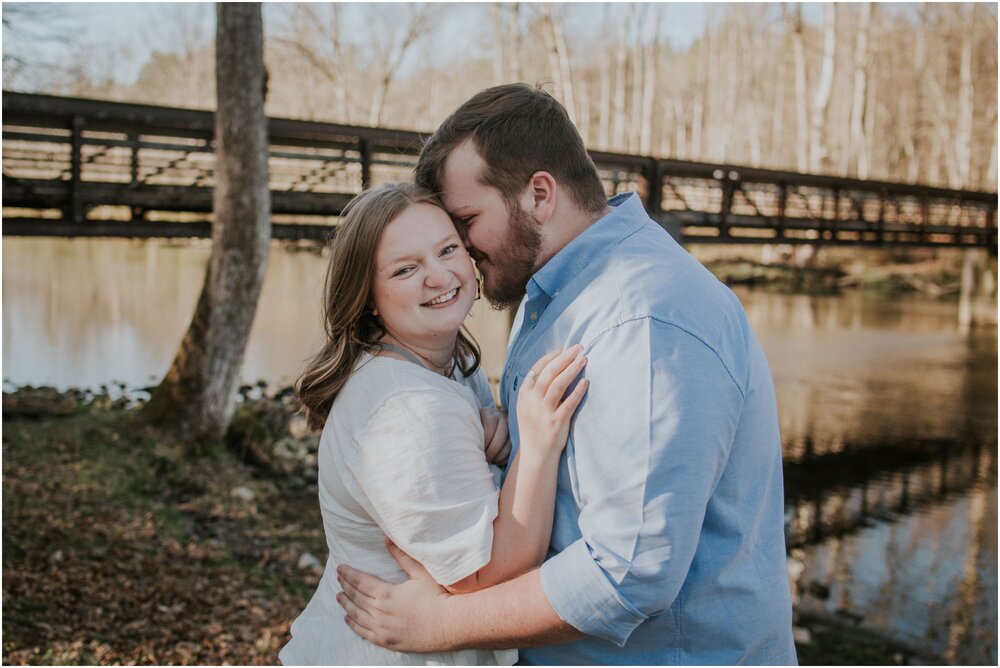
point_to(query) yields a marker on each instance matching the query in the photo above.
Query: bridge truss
(77, 167)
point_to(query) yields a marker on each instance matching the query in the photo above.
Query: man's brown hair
(517, 130)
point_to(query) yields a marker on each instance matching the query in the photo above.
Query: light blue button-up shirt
(668, 543)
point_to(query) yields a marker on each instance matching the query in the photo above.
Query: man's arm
(420, 616)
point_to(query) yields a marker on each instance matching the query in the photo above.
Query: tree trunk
(558, 60)
(650, 55)
(198, 392)
(858, 141)
(635, 83)
(618, 134)
(963, 131)
(821, 100)
(604, 77)
(498, 14)
(515, 24)
(778, 139)
(801, 106)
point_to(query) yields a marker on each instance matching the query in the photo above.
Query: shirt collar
(626, 215)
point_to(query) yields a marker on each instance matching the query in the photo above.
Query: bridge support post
(75, 212)
(366, 164)
(977, 301)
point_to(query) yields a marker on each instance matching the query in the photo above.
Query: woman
(397, 390)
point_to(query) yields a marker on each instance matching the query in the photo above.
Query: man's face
(504, 244)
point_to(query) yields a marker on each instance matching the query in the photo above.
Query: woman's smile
(447, 299)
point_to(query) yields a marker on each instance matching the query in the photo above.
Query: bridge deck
(74, 167)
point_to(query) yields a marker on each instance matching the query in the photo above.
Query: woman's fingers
(569, 405)
(554, 366)
(557, 388)
(532, 376)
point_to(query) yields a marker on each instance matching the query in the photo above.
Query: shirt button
(534, 315)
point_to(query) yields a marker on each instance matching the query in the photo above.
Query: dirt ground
(119, 550)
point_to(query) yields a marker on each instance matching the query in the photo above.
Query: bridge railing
(77, 167)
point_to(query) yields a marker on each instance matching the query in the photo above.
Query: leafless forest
(892, 92)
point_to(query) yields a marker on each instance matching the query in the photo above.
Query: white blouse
(401, 455)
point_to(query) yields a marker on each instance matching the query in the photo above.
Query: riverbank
(804, 269)
(119, 549)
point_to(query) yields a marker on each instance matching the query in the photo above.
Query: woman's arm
(523, 526)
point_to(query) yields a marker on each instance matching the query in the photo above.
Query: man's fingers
(410, 566)
(362, 631)
(357, 598)
(362, 583)
(498, 443)
(360, 615)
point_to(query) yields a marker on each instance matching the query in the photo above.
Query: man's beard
(513, 265)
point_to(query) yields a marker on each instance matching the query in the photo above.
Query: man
(667, 544)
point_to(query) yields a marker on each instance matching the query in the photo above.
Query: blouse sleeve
(419, 461)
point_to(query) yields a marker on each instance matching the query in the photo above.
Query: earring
(479, 288)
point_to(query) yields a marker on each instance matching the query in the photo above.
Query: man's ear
(539, 196)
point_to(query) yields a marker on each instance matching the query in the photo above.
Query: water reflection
(889, 422)
(888, 413)
(85, 312)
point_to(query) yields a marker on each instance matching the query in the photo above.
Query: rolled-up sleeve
(648, 446)
(419, 463)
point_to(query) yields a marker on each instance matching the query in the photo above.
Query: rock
(801, 635)
(297, 426)
(310, 563)
(243, 493)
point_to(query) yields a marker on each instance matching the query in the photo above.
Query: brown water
(888, 413)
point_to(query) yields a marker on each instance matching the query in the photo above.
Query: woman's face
(424, 282)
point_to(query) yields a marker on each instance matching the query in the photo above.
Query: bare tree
(419, 20)
(857, 152)
(821, 99)
(650, 56)
(558, 58)
(317, 40)
(794, 18)
(198, 390)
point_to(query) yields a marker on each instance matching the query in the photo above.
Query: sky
(143, 28)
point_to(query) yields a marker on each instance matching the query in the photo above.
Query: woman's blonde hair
(351, 327)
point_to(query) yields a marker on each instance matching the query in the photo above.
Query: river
(888, 413)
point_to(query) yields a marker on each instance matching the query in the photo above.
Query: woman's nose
(437, 274)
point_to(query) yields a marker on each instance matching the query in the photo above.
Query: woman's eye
(448, 250)
(402, 271)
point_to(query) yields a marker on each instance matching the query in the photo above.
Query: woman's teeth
(448, 296)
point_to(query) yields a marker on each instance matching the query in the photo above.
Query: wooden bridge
(76, 167)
